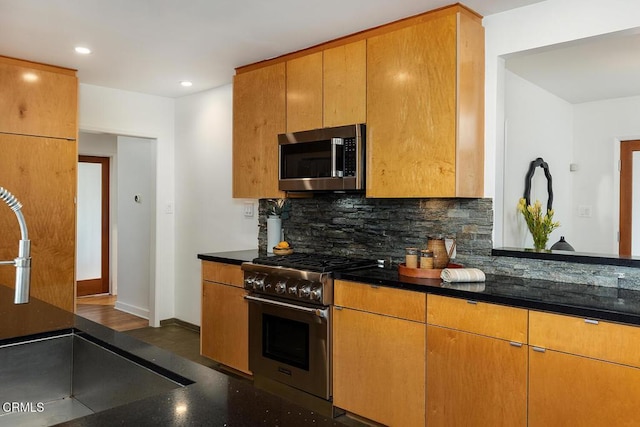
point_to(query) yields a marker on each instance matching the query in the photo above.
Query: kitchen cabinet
(379, 353)
(224, 331)
(476, 363)
(38, 127)
(304, 92)
(425, 96)
(38, 99)
(327, 88)
(345, 84)
(259, 115)
(582, 372)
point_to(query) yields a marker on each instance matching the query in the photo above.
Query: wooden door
(225, 325)
(41, 173)
(379, 367)
(627, 148)
(96, 285)
(259, 115)
(411, 111)
(473, 380)
(304, 93)
(345, 84)
(569, 390)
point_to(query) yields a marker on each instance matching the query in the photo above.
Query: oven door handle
(320, 312)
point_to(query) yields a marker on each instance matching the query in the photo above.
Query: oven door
(289, 343)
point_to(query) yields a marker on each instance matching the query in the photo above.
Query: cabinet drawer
(586, 337)
(222, 273)
(375, 299)
(498, 321)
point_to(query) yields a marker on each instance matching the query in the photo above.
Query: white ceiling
(150, 46)
(592, 69)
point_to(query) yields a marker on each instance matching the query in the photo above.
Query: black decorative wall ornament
(527, 181)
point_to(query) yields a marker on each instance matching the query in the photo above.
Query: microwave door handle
(335, 173)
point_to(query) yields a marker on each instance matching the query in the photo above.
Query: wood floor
(101, 309)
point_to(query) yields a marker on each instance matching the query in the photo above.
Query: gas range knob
(304, 292)
(293, 290)
(281, 287)
(316, 294)
(258, 283)
(248, 282)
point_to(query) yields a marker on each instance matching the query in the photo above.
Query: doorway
(629, 240)
(92, 270)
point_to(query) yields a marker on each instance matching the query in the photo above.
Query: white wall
(207, 218)
(136, 224)
(128, 113)
(540, 24)
(539, 124)
(599, 128)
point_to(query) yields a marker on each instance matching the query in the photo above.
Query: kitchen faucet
(23, 262)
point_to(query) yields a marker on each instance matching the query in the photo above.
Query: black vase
(562, 245)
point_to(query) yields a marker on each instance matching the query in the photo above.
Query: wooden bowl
(425, 273)
(282, 251)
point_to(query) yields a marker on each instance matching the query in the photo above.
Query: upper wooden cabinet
(304, 93)
(418, 83)
(425, 94)
(258, 118)
(38, 99)
(345, 84)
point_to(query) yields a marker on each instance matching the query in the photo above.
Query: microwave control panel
(350, 156)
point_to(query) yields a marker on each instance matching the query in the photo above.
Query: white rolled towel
(462, 275)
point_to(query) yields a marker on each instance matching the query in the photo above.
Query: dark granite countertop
(215, 399)
(232, 257)
(606, 303)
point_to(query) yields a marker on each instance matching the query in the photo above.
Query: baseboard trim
(132, 309)
(186, 325)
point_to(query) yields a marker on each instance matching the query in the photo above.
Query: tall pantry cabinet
(38, 165)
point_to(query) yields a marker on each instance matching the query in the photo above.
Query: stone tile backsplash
(352, 225)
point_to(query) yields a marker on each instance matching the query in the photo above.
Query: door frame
(100, 285)
(626, 195)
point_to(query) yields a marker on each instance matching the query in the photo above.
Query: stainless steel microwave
(327, 159)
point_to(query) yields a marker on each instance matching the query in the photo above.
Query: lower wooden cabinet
(378, 360)
(474, 380)
(224, 330)
(570, 390)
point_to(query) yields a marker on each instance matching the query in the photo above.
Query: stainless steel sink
(50, 380)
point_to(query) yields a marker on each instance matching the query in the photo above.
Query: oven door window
(285, 341)
(308, 160)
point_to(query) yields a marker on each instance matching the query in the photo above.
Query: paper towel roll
(462, 275)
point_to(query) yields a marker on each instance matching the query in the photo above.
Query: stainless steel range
(290, 320)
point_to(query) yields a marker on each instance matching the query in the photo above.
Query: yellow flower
(539, 225)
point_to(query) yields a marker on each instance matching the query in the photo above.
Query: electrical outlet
(248, 209)
(584, 211)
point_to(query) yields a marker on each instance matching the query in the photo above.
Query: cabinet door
(345, 84)
(304, 93)
(379, 367)
(41, 174)
(475, 380)
(411, 111)
(568, 390)
(258, 118)
(38, 99)
(225, 325)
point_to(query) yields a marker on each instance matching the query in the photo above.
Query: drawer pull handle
(515, 344)
(591, 322)
(337, 307)
(470, 301)
(374, 286)
(539, 349)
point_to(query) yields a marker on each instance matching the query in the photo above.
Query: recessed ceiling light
(82, 50)
(186, 83)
